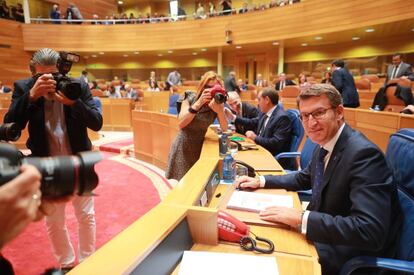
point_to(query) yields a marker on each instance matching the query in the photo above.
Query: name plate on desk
(208, 263)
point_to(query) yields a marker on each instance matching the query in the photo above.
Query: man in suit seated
(354, 208)
(241, 109)
(344, 82)
(259, 81)
(283, 82)
(273, 129)
(399, 69)
(4, 89)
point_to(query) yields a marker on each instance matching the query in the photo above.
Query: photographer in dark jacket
(57, 126)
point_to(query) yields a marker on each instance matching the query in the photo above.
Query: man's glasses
(317, 114)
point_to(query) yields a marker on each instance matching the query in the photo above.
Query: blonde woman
(198, 111)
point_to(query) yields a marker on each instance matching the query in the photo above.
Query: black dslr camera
(219, 94)
(10, 132)
(70, 87)
(61, 176)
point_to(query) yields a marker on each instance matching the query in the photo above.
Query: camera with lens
(61, 176)
(218, 93)
(10, 132)
(70, 87)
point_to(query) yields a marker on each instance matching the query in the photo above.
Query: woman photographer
(197, 112)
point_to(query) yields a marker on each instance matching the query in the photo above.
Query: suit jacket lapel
(335, 157)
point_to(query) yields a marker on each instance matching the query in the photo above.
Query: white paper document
(209, 263)
(256, 202)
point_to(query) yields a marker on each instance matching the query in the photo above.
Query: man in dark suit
(354, 208)
(241, 109)
(399, 69)
(273, 129)
(230, 84)
(58, 126)
(283, 82)
(344, 82)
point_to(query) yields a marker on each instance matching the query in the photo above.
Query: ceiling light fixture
(238, 47)
(203, 50)
(370, 30)
(194, 53)
(318, 37)
(125, 55)
(136, 52)
(94, 55)
(160, 54)
(355, 38)
(170, 51)
(101, 53)
(275, 43)
(120, 2)
(304, 44)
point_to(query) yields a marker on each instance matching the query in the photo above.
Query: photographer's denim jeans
(59, 236)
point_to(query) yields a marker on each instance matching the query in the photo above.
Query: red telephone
(232, 230)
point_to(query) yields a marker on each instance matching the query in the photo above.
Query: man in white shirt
(354, 208)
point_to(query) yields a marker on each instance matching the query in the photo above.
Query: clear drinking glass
(233, 148)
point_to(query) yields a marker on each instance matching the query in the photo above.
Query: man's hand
(244, 182)
(59, 96)
(44, 85)
(19, 203)
(229, 114)
(251, 135)
(285, 215)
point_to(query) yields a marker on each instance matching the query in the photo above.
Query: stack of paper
(208, 263)
(256, 202)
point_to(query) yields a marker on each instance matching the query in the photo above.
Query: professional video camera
(70, 87)
(9, 132)
(218, 93)
(61, 176)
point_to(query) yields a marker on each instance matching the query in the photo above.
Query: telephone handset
(232, 230)
(250, 170)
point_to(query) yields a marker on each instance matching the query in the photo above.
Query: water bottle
(228, 168)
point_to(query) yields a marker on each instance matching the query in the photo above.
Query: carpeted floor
(127, 190)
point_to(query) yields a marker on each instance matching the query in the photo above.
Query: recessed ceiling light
(125, 55)
(94, 55)
(304, 44)
(160, 54)
(136, 52)
(412, 29)
(194, 53)
(370, 30)
(203, 50)
(318, 37)
(101, 53)
(120, 2)
(86, 57)
(170, 51)
(275, 43)
(238, 47)
(355, 38)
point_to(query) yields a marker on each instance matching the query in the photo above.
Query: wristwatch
(299, 226)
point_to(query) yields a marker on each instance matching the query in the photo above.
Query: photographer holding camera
(196, 113)
(58, 110)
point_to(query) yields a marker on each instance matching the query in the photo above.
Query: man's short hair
(233, 95)
(317, 90)
(338, 63)
(43, 57)
(397, 54)
(85, 72)
(271, 94)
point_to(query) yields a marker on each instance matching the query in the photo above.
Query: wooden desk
(156, 101)
(116, 114)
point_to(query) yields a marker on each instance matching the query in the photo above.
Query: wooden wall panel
(13, 59)
(308, 18)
